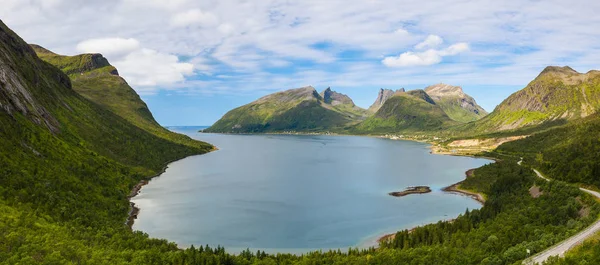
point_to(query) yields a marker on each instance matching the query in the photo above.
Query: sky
(192, 61)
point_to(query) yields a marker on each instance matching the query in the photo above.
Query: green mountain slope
(66, 163)
(570, 152)
(300, 109)
(411, 111)
(94, 78)
(557, 93)
(455, 103)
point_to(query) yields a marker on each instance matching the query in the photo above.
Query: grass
(95, 79)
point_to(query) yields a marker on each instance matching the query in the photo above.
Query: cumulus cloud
(428, 57)
(143, 68)
(114, 48)
(245, 38)
(432, 41)
(149, 68)
(194, 17)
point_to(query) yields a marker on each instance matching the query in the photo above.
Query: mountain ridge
(93, 77)
(557, 93)
(299, 109)
(456, 103)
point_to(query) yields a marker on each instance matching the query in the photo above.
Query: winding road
(562, 247)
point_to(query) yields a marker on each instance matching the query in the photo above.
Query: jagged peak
(332, 97)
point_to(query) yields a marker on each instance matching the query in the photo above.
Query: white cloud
(114, 48)
(432, 41)
(247, 38)
(149, 68)
(194, 17)
(144, 69)
(428, 57)
(455, 49)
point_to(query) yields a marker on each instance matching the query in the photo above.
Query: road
(562, 247)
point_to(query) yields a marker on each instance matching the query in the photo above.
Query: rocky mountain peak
(444, 90)
(334, 98)
(384, 94)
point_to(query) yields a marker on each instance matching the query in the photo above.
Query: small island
(411, 190)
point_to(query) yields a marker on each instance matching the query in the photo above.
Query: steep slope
(455, 103)
(67, 164)
(62, 154)
(300, 109)
(94, 78)
(411, 111)
(343, 104)
(382, 96)
(557, 93)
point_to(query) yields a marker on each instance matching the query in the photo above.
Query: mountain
(455, 103)
(300, 109)
(67, 164)
(343, 104)
(556, 94)
(94, 78)
(384, 94)
(411, 111)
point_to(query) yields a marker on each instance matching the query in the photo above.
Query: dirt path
(562, 247)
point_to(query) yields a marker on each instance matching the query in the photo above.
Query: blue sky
(192, 61)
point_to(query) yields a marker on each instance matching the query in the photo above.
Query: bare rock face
(455, 102)
(439, 91)
(17, 94)
(382, 97)
(334, 98)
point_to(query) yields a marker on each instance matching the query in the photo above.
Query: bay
(293, 193)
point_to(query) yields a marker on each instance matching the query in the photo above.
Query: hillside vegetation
(557, 93)
(95, 79)
(301, 109)
(569, 153)
(67, 166)
(412, 111)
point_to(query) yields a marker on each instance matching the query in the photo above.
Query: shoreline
(134, 210)
(454, 189)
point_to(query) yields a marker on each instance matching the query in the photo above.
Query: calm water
(298, 193)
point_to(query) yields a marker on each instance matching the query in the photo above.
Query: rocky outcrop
(77, 64)
(384, 94)
(17, 91)
(456, 103)
(334, 98)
